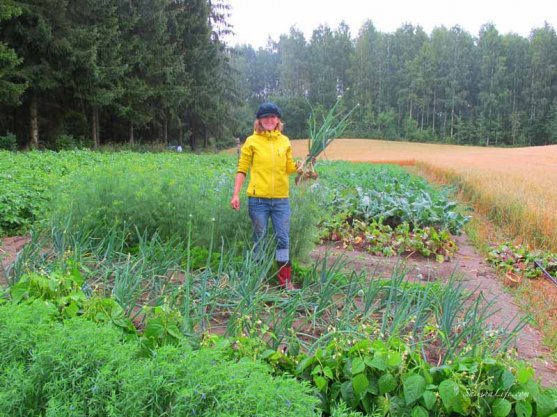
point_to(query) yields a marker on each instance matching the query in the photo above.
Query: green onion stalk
(320, 136)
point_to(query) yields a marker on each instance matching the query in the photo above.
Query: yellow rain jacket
(269, 155)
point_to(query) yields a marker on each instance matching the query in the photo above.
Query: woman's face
(269, 122)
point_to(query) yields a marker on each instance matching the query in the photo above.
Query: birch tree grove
(448, 86)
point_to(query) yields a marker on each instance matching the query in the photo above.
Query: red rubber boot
(285, 275)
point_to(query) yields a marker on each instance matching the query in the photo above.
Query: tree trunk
(156, 129)
(192, 133)
(34, 123)
(434, 110)
(532, 106)
(180, 133)
(131, 138)
(96, 127)
(165, 130)
(452, 121)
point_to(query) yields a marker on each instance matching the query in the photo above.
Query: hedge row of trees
(100, 71)
(447, 86)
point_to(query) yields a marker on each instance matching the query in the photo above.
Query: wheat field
(515, 187)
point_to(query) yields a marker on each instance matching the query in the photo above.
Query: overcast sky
(255, 21)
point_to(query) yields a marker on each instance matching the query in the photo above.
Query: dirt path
(477, 276)
(9, 248)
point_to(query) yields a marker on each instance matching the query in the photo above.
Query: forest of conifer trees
(94, 72)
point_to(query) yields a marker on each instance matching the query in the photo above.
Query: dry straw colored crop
(515, 187)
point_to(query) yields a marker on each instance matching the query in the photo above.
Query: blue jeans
(278, 209)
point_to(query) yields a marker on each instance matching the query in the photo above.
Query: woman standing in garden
(267, 154)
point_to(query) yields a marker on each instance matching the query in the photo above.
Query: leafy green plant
(387, 378)
(200, 257)
(342, 410)
(162, 327)
(27, 180)
(207, 383)
(522, 260)
(61, 290)
(306, 214)
(67, 295)
(387, 194)
(330, 310)
(107, 310)
(382, 239)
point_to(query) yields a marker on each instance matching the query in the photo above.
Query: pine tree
(10, 90)
(96, 72)
(39, 37)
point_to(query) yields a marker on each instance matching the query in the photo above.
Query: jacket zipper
(273, 168)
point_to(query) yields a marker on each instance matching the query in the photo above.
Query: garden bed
(143, 255)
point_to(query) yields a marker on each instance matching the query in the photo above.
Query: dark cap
(267, 109)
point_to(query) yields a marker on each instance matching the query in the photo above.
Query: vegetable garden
(137, 295)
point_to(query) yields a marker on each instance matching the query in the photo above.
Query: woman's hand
(299, 166)
(235, 202)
